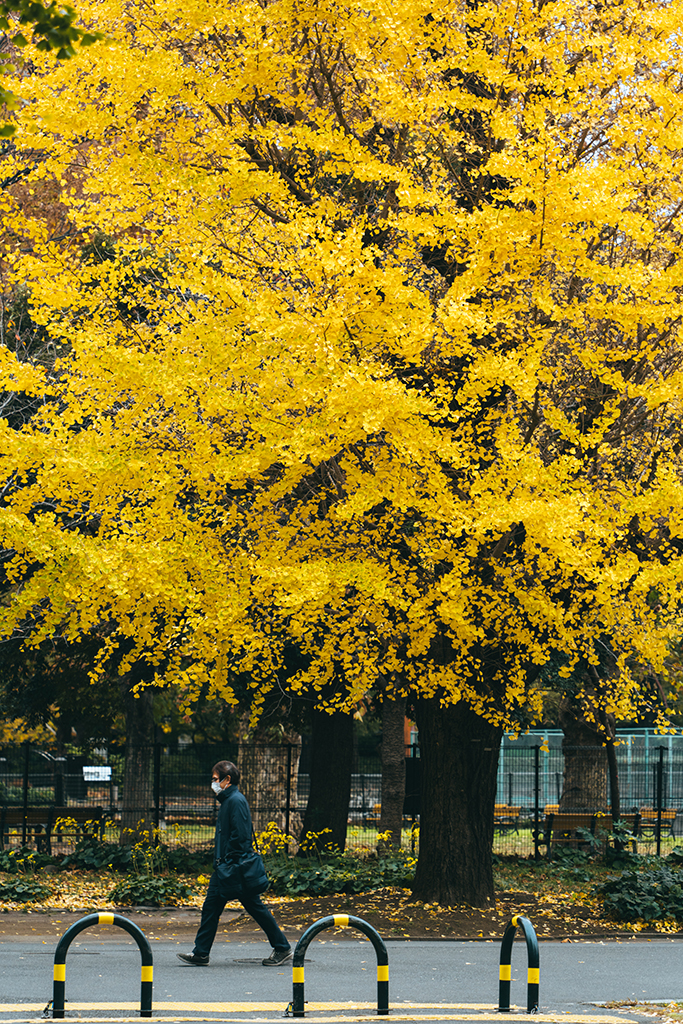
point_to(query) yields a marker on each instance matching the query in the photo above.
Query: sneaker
(193, 958)
(278, 956)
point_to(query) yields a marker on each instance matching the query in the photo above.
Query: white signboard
(97, 773)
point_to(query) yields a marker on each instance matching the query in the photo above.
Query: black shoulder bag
(253, 871)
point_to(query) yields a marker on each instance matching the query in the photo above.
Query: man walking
(234, 845)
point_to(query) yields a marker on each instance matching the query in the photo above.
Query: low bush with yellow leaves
(322, 870)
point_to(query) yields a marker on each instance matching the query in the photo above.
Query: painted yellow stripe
(146, 973)
(534, 975)
(461, 1017)
(341, 920)
(354, 1011)
(505, 972)
(383, 972)
(297, 975)
(106, 918)
(211, 1007)
(59, 972)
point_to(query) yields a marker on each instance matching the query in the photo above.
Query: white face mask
(216, 787)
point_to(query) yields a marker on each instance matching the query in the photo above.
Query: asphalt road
(573, 976)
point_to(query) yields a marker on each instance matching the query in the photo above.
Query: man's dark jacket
(233, 840)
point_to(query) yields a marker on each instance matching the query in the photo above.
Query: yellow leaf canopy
(368, 323)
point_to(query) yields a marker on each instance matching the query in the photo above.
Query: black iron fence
(638, 758)
(168, 789)
(551, 797)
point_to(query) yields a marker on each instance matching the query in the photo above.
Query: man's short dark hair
(226, 769)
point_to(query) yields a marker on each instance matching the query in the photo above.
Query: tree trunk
(393, 770)
(269, 778)
(137, 821)
(330, 792)
(585, 776)
(459, 753)
(584, 784)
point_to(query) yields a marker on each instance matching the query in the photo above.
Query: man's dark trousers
(212, 909)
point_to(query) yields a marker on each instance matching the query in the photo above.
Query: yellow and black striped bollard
(533, 972)
(59, 970)
(339, 921)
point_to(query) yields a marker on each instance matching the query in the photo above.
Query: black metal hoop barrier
(67, 938)
(533, 973)
(340, 921)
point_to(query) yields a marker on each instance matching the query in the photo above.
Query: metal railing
(167, 787)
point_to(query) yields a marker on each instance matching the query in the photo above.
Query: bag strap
(254, 839)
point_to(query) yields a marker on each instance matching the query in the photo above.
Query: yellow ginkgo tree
(52, 27)
(367, 325)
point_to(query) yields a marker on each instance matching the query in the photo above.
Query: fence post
(58, 778)
(27, 754)
(660, 780)
(288, 805)
(537, 795)
(157, 783)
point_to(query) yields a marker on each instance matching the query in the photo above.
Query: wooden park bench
(649, 822)
(629, 822)
(44, 825)
(506, 818)
(69, 824)
(572, 829)
(33, 823)
(566, 829)
(372, 817)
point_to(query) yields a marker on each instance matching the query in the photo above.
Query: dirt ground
(393, 912)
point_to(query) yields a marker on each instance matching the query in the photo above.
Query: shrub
(643, 895)
(338, 874)
(92, 854)
(43, 796)
(149, 891)
(23, 890)
(187, 862)
(14, 795)
(323, 871)
(23, 860)
(11, 795)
